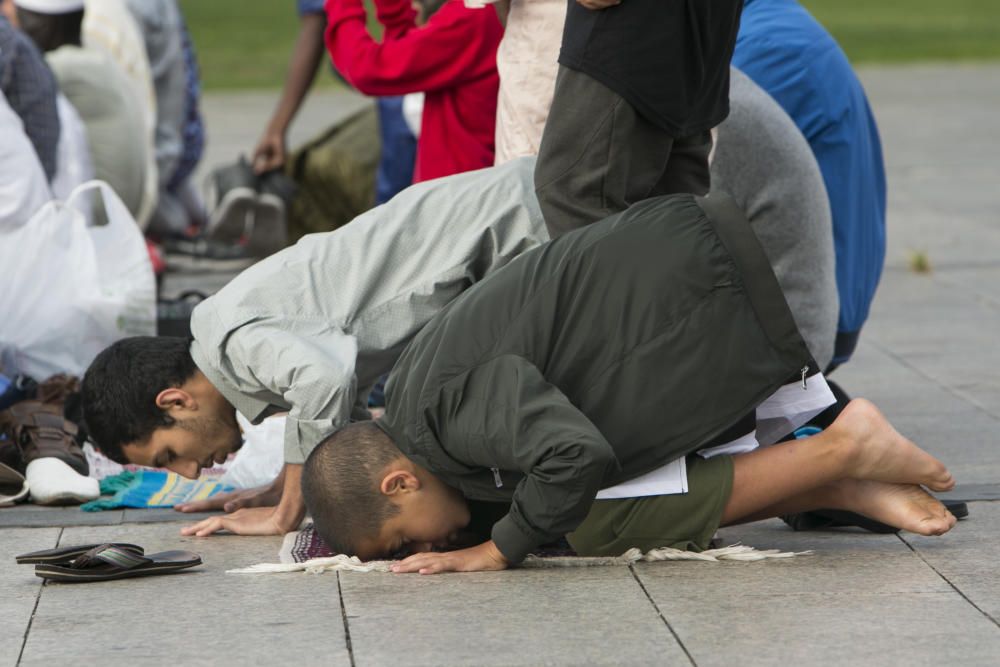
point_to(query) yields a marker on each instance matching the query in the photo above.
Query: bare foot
(904, 506)
(881, 454)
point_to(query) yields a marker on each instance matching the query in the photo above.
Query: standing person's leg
(860, 464)
(687, 169)
(399, 150)
(597, 155)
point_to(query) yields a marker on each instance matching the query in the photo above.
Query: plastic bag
(70, 288)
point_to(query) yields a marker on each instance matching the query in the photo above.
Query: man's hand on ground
(482, 558)
(248, 521)
(262, 520)
(262, 496)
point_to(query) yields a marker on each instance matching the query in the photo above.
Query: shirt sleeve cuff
(511, 541)
(303, 435)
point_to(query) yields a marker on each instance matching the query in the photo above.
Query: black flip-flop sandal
(64, 555)
(108, 561)
(823, 519)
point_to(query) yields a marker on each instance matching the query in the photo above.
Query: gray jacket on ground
(592, 360)
(310, 329)
(763, 161)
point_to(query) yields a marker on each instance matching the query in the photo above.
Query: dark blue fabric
(194, 126)
(791, 56)
(310, 7)
(30, 89)
(399, 150)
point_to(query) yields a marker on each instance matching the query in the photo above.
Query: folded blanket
(152, 488)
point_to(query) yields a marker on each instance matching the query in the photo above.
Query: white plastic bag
(69, 288)
(23, 188)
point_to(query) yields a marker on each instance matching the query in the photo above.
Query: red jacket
(452, 59)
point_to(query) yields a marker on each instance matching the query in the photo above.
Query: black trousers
(598, 156)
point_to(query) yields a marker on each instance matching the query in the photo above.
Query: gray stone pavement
(928, 356)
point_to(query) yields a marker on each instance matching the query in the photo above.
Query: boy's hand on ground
(248, 521)
(261, 496)
(481, 558)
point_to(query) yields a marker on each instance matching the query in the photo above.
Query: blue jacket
(791, 56)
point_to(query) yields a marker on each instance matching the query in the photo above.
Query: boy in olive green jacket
(590, 364)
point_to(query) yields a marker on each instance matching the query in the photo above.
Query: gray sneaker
(248, 209)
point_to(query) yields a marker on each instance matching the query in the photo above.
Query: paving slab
(940, 419)
(163, 514)
(902, 629)
(844, 562)
(20, 589)
(861, 600)
(199, 617)
(36, 515)
(967, 558)
(593, 616)
(28, 515)
(235, 120)
(973, 492)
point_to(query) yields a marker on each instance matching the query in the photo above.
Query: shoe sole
(269, 231)
(190, 264)
(230, 220)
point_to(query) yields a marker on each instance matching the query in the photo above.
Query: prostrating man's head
(145, 402)
(367, 499)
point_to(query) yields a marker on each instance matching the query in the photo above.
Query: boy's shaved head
(340, 484)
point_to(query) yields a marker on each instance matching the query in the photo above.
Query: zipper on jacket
(496, 477)
(805, 369)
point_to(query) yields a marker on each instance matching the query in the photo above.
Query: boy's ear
(174, 398)
(398, 482)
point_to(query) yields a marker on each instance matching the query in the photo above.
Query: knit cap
(50, 6)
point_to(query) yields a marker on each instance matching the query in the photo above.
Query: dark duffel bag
(173, 316)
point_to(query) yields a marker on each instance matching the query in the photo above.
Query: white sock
(53, 482)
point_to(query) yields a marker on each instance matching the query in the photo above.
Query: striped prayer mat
(152, 488)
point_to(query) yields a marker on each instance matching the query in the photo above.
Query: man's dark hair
(340, 484)
(50, 31)
(120, 388)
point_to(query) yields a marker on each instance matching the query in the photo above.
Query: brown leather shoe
(58, 388)
(39, 430)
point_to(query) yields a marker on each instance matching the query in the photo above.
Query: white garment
(109, 26)
(101, 93)
(791, 406)
(413, 112)
(73, 164)
(23, 186)
(527, 61)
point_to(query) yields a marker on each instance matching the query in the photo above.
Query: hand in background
(270, 153)
(261, 496)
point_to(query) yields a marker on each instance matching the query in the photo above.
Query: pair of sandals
(104, 562)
